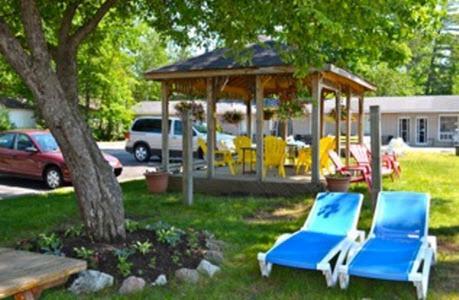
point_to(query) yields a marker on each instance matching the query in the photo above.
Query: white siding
(22, 118)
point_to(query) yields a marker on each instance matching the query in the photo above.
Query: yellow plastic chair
(304, 159)
(240, 142)
(222, 157)
(275, 151)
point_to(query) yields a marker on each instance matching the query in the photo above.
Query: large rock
(214, 256)
(160, 280)
(207, 268)
(187, 275)
(215, 245)
(132, 284)
(91, 281)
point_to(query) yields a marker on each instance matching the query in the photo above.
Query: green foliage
(123, 265)
(152, 263)
(51, 244)
(5, 123)
(74, 231)
(131, 225)
(83, 253)
(176, 258)
(170, 236)
(143, 247)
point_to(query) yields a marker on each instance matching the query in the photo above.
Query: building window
(447, 128)
(404, 129)
(421, 131)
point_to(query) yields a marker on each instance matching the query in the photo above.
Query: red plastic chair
(358, 173)
(361, 155)
(389, 160)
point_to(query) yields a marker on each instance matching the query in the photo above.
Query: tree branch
(13, 51)
(31, 20)
(82, 32)
(66, 24)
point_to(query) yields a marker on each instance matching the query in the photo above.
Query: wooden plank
(376, 174)
(21, 271)
(187, 157)
(360, 120)
(210, 128)
(316, 91)
(165, 126)
(221, 72)
(338, 122)
(242, 186)
(348, 126)
(259, 97)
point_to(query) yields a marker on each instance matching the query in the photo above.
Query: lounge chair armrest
(432, 242)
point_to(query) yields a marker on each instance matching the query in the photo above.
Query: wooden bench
(24, 275)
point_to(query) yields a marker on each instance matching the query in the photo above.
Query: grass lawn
(250, 225)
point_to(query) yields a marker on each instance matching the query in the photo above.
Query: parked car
(144, 138)
(35, 154)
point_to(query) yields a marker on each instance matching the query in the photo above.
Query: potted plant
(233, 117)
(157, 180)
(268, 114)
(338, 182)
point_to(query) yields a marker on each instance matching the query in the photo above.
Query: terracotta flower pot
(157, 181)
(338, 183)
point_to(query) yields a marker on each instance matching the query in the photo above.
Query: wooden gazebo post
(259, 97)
(249, 118)
(165, 126)
(210, 127)
(316, 104)
(338, 121)
(348, 125)
(361, 119)
(322, 119)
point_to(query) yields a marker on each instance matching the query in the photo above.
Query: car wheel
(142, 153)
(53, 177)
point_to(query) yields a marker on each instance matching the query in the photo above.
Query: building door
(404, 129)
(421, 131)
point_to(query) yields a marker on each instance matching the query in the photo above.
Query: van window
(148, 125)
(23, 142)
(178, 128)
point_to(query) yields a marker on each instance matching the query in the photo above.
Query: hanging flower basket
(268, 114)
(197, 110)
(233, 117)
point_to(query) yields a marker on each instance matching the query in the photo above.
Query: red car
(35, 154)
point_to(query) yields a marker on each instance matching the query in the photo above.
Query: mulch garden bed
(147, 252)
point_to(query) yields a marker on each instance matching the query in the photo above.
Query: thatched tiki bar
(215, 75)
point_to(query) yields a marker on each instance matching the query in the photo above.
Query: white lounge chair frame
(331, 276)
(427, 253)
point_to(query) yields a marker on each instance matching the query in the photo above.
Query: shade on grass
(250, 225)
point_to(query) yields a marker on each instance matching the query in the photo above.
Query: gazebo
(216, 75)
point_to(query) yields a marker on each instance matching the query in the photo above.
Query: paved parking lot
(11, 187)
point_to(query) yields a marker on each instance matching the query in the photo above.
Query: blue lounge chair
(329, 230)
(397, 244)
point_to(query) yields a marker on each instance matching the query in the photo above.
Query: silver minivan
(144, 139)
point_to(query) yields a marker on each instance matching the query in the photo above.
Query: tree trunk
(98, 192)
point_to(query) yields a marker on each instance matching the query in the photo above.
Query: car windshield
(46, 142)
(201, 128)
